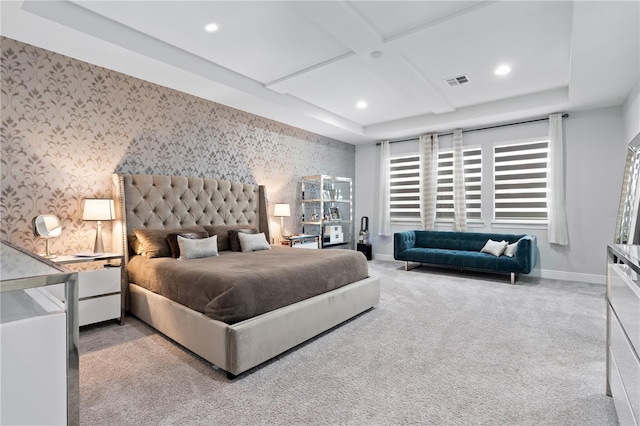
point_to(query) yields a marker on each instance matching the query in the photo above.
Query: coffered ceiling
(308, 63)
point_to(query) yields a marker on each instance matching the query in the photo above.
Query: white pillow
(495, 248)
(253, 242)
(193, 249)
(511, 249)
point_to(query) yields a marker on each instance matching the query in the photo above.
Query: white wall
(631, 109)
(595, 150)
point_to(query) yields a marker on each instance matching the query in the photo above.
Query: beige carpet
(442, 348)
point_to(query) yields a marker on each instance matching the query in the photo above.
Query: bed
(233, 339)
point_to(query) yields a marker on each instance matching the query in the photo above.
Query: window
(405, 188)
(520, 181)
(472, 184)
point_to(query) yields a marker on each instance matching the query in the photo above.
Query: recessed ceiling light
(211, 28)
(502, 70)
(361, 104)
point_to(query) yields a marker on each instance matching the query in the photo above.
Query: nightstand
(99, 286)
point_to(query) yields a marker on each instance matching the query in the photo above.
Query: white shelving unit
(327, 209)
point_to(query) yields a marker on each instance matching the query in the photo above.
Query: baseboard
(569, 276)
(386, 257)
(541, 273)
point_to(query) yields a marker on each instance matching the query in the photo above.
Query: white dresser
(623, 331)
(39, 376)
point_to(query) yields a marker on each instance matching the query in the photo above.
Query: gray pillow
(172, 239)
(253, 242)
(234, 241)
(222, 231)
(194, 249)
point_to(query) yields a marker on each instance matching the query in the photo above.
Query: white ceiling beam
(516, 108)
(345, 23)
(91, 23)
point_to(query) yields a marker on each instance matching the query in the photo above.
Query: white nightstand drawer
(99, 309)
(92, 283)
(102, 281)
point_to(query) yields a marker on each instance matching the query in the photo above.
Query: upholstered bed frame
(167, 202)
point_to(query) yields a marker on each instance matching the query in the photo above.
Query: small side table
(99, 286)
(365, 249)
(301, 241)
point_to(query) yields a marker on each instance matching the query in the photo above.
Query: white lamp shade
(98, 209)
(281, 210)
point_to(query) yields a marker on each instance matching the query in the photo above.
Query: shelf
(326, 200)
(344, 243)
(327, 178)
(329, 196)
(326, 222)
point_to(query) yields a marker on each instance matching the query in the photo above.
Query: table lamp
(281, 211)
(98, 209)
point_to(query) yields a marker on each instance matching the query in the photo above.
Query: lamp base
(98, 247)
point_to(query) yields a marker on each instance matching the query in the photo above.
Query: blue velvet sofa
(462, 250)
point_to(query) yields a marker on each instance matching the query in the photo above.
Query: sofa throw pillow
(172, 239)
(510, 250)
(253, 242)
(195, 249)
(495, 248)
(234, 241)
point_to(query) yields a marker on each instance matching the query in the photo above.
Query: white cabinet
(99, 287)
(39, 342)
(327, 209)
(623, 331)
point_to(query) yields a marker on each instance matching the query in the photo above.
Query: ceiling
(308, 63)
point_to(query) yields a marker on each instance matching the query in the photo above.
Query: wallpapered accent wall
(68, 125)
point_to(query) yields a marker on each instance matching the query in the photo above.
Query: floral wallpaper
(68, 125)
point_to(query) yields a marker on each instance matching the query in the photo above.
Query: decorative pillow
(154, 241)
(194, 249)
(222, 231)
(134, 244)
(253, 242)
(234, 241)
(172, 239)
(495, 248)
(510, 250)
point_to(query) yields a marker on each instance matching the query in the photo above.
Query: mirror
(627, 231)
(47, 226)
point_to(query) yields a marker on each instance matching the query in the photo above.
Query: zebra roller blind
(472, 184)
(520, 181)
(405, 188)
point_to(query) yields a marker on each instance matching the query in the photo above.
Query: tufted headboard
(166, 202)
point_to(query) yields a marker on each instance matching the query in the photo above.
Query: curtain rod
(478, 129)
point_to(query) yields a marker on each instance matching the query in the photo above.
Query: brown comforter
(236, 286)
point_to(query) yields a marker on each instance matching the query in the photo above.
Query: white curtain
(459, 196)
(429, 170)
(557, 227)
(384, 198)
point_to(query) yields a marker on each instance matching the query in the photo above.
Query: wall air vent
(457, 81)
